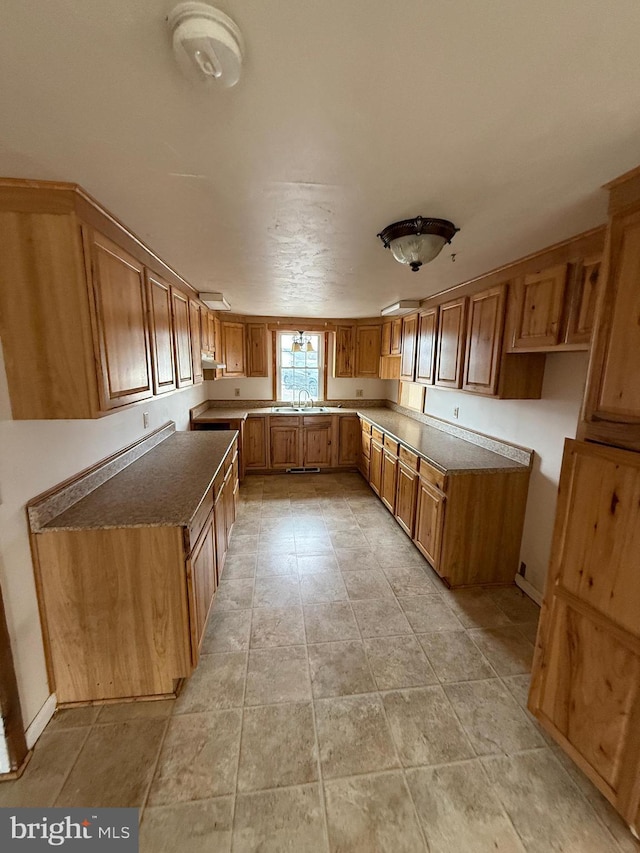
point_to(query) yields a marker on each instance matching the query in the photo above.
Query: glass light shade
(417, 249)
(309, 347)
(295, 347)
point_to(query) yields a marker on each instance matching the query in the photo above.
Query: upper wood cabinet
(451, 343)
(233, 348)
(195, 322)
(391, 337)
(583, 299)
(409, 339)
(426, 358)
(209, 341)
(385, 345)
(485, 327)
(257, 355)
(368, 339)
(182, 338)
(344, 352)
(539, 303)
(161, 331)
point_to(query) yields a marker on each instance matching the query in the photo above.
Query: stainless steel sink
(297, 409)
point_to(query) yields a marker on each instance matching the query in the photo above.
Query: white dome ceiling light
(207, 44)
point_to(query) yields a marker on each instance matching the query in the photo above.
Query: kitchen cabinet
(367, 363)
(391, 337)
(365, 448)
(233, 348)
(195, 323)
(202, 576)
(284, 438)
(539, 301)
(409, 340)
(451, 343)
(426, 355)
(585, 687)
(182, 338)
(389, 476)
(344, 352)
(485, 328)
(161, 333)
(254, 443)
(584, 296)
(257, 355)
(349, 438)
(429, 521)
(317, 441)
(375, 464)
(407, 491)
(385, 343)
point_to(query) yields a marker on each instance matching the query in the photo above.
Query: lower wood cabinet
(284, 439)
(317, 441)
(349, 434)
(406, 498)
(375, 466)
(429, 521)
(203, 581)
(254, 443)
(389, 480)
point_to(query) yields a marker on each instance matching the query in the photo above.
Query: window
(298, 371)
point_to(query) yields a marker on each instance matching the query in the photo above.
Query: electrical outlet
(522, 570)
(145, 420)
(236, 392)
(456, 412)
(359, 392)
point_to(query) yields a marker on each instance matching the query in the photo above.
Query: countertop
(162, 488)
(215, 414)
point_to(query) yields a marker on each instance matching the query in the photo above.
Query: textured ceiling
(504, 116)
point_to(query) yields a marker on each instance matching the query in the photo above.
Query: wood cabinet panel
(426, 357)
(389, 480)
(317, 441)
(409, 340)
(161, 331)
(285, 446)
(257, 357)
(254, 443)
(429, 521)
(182, 338)
(220, 532)
(485, 328)
(396, 336)
(195, 327)
(233, 349)
(349, 438)
(584, 296)
(539, 305)
(368, 351)
(375, 466)
(203, 580)
(121, 324)
(385, 345)
(344, 352)
(406, 498)
(451, 343)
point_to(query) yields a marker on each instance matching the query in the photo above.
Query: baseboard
(40, 720)
(530, 590)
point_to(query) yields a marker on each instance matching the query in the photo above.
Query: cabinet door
(210, 345)
(233, 353)
(124, 371)
(182, 338)
(585, 686)
(220, 532)
(485, 328)
(429, 521)
(385, 346)
(396, 336)
(161, 331)
(426, 360)
(285, 447)
(389, 480)
(409, 338)
(365, 453)
(450, 346)
(375, 467)
(317, 434)
(613, 393)
(539, 303)
(229, 504)
(195, 320)
(257, 350)
(203, 579)
(582, 308)
(349, 433)
(368, 351)
(254, 443)
(406, 498)
(344, 352)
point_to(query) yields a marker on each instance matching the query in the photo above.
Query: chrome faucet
(309, 401)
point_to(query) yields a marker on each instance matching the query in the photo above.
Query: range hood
(210, 362)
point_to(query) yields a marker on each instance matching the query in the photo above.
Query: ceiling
(504, 116)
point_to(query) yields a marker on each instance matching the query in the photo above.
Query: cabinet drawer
(409, 458)
(431, 474)
(366, 426)
(316, 421)
(200, 518)
(377, 434)
(391, 444)
(285, 420)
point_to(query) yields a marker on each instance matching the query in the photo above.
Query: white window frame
(321, 337)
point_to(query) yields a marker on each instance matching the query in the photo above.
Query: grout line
(152, 776)
(75, 761)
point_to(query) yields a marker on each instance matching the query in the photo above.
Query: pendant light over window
(417, 241)
(301, 343)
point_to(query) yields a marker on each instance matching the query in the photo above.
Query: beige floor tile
(454, 656)
(162, 708)
(380, 617)
(276, 543)
(199, 758)
(278, 675)
(278, 747)
(475, 609)
(398, 662)
(282, 591)
(198, 827)
(399, 557)
(339, 669)
(271, 565)
(237, 566)
(342, 525)
(274, 821)
(72, 718)
(366, 583)
(424, 727)
(247, 526)
(385, 537)
(277, 526)
(115, 765)
(506, 649)
(243, 544)
(322, 587)
(545, 807)
(277, 626)
(426, 613)
(530, 630)
(216, 684)
(311, 564)
(275, 507)
(309, 545)
(411, 580)
(227, 631)
(44, 776)
(309, 525)
(356, 558)
(349, 539)
(491, 717)
(372, 813)
(353, 736)
(517, 606)
(330, 622)
(459, 812)
(234, 594)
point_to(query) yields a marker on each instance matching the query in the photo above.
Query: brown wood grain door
(539, 305)
(426, 359)
(195, 328)
(429, 521)
(409, 338)
(182, 338)
(254, 443)
(203, 572)
(450, 343)
(375, 466)
(389, 480)
(406, 498)
(344, 352)
(285, 447)
(584, 296)
(485, 328)
(233, 343)
(368, 341)
(317, 440)
(585, 686)
(349, 437)
(385, 345)
(119, 299)
(258, 362)
(161, 330)
(396, 336)
(220, 532)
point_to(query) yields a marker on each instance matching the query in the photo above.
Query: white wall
(539, 424)
(34, 456)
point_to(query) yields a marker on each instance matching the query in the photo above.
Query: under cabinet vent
(303, 470)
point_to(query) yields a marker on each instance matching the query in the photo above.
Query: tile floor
(345, 701)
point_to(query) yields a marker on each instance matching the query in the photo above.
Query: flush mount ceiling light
(215, 301)
(207, 44)
(401, 307)
(417, 241)
(301, 343)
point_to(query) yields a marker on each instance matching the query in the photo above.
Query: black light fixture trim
(420, 225)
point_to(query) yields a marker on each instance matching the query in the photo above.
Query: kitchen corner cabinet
(408, 358)
(451, 343)
(367, 363)
(234, 348)
(344, 352)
